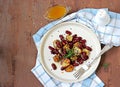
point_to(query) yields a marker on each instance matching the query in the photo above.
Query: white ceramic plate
(46, 57)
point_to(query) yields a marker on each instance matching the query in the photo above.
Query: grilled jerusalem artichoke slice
(56, 58)
(65, 62)
(69, 37)
(86, 51)
(69, 68)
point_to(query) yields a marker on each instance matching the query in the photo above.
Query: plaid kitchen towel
(106, 34)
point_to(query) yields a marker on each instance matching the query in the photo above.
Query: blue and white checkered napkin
(106, 34)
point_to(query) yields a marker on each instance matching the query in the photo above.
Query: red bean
(70, 44)
(83, 41)
(62, 68)
(83, 54)
(81, 61)
(80, 46)
(64, 42)
(55, 51)
(54, 66)
(75, 40)
(60, 55)
(61, 37)
(80, 38)
(63, 52)
(68, 32)
(75, 64)
(86, 57)
(58, 43)
(83, 45)
(89, 48)
(50, 47)
(74, 36)
(52, 52)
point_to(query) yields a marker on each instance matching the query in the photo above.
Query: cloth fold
(106, 34)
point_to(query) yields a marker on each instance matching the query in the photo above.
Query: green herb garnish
(69, 54)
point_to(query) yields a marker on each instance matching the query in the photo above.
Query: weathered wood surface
(20, 19)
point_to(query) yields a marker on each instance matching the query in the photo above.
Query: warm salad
(70, 51)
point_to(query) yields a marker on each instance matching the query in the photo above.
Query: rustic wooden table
(20, 19)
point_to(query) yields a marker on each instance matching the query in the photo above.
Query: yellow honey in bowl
(56, 12)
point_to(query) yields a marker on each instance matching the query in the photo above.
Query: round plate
(46, 57)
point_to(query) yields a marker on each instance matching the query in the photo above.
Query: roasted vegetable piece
(77, 44)
(86, 51)
(73, 58)
(77, 51)
(65, 62)
(69, 38)
(69, 68)
(56, 58)
(57, 44)
(66, 47)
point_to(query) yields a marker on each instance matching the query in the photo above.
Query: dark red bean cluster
(59, 49)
